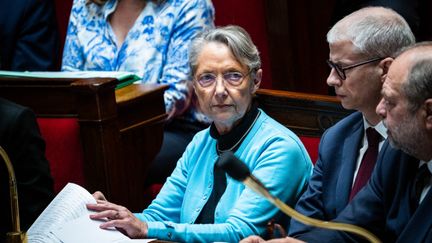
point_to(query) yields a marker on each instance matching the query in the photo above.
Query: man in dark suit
(29, 39)
(360, 37)
(21, 139)
(361, 49)
(396, 203)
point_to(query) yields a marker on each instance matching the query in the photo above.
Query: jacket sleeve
(310, 203)
(37, 43)
(73, 58)
(194, 17)
(281, 162)
(366, 210)
(27, 153)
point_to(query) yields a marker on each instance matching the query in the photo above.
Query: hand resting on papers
(117, 216)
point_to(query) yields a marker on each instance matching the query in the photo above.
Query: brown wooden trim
(121, 131)
(298, 95)
(154, 120)
(305, 114)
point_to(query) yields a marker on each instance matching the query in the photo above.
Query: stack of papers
(124, 78)
(66, 220)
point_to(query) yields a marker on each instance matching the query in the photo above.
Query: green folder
(124, 78)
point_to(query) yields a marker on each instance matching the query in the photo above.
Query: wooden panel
(297, 44)
(121, 131)
(297, 36)
(305, 114)
(46, 97)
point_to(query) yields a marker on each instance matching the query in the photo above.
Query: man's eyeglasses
(232, 78)
(341, 70)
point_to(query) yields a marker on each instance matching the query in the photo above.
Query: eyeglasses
(232, 78)
(341, 70)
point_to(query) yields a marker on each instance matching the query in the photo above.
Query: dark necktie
(368, 161)
(421, 180)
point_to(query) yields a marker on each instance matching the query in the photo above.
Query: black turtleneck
(230, 141)
(227, 141)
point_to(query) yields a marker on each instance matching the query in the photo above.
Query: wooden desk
(121, 130)
(305, 114)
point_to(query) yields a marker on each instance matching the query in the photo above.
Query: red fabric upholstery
(63, 150)
(311, 144)
(227, 12)
(151, 192)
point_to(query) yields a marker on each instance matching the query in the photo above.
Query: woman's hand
(99, 196)
(257, 239)
(118, 217)
(252, 239)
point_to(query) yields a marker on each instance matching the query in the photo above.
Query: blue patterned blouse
(156, 47)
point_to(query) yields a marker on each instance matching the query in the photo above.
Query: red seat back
(63, 150)
(311, 144)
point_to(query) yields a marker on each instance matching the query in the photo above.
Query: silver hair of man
(235, 38)
(374, 31)
(418, 86)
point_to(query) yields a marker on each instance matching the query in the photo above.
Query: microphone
(16, 236)
(236, 169)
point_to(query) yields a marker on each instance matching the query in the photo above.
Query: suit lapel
(420, 224)
(348, 165)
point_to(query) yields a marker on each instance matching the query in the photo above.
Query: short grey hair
(235, 38)
(374, 31)
(418, 86)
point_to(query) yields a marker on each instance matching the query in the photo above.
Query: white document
(84, 229)
(66, 219)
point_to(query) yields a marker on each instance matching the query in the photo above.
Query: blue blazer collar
(420, 224)
(351, 148)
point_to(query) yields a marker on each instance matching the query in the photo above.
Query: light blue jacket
(274, 155)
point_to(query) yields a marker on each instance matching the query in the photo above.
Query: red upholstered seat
(63, 150)
(150, 193)
(311, 144)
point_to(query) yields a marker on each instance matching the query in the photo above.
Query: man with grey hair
(362, 47)
(406, 108)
